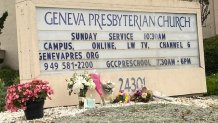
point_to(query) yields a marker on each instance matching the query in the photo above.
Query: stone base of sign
(168, 82)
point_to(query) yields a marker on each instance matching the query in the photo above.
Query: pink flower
(19, 88)
(36, 90)
(26, 85)
(18, 95)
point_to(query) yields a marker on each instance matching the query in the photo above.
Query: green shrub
(9, 76)
(211, 55)
(2, 96)
(212, 84)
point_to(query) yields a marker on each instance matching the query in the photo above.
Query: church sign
(152, 43)
(75, 39)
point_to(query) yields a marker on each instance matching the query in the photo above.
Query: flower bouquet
(108, 87)
(19, 96)
(122, 97)
(143, 95)
(79, 84)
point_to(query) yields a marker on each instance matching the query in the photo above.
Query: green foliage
(212, 84)
(9, 76)
(211, 64)
(2, 96)
(211, 55)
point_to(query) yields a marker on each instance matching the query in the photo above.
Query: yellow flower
(126, 98)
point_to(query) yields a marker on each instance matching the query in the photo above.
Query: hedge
(211, 55)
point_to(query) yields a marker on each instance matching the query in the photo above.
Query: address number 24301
(131, 84)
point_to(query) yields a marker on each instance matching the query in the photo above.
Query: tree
(2, 20)
(205, 11)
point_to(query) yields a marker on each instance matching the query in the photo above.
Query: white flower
(77, 86)
(90, 81)
(144, 95)
(81, 79)
(87, 84)
(92, 85)
(71, 82)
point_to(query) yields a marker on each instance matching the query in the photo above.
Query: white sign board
(76, 39)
